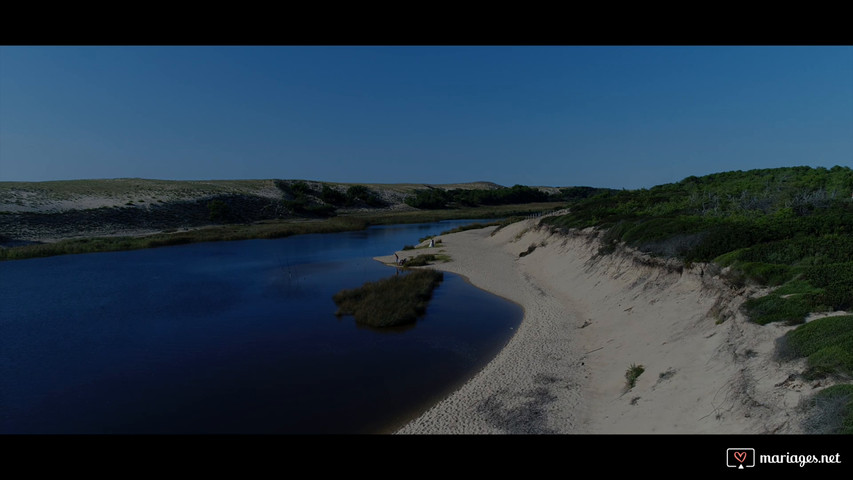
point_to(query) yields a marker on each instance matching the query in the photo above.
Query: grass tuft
(631, 375)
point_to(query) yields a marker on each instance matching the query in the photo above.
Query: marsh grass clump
(389, 302)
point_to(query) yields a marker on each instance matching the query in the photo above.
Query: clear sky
(607, 116)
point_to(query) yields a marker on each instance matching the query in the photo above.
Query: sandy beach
(587, 320)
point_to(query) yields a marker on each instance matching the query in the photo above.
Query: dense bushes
(785, 226)
(827, 343)
(431, 199)
(300, 198)
(333, 196)
(436, 198)
(360, 194)
(219, 211)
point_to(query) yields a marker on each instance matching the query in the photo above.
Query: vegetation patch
(831, 411)
(219, 211)
(302, 199)
(393, 301)
(438, 198)
(632, 374)
(361, 195)
(784, 227)
(529, 250)
(421, 260)
(790, 304)
(826, 342)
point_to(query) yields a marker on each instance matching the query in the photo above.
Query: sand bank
(589, 318)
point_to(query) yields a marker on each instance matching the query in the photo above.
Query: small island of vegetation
(393, 301)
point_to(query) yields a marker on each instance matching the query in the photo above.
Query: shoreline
(587, 320)
(517, 391)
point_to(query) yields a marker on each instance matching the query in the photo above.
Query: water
(231, 337)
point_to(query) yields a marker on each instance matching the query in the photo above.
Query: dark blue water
(231, 337)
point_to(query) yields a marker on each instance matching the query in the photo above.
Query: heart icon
(740, 456)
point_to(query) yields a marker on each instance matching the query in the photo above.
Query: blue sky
(609, 116)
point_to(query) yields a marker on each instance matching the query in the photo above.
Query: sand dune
(588, 318)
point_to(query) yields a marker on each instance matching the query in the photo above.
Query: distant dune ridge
(58, 196)
(50, 211)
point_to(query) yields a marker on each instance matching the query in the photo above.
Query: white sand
(587, 320)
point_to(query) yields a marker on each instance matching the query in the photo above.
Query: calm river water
(231, 337)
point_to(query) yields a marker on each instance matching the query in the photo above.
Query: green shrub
(431, 199)
(300, 188)
(827, 343)
(359, 193)
(296, 206)
(766, 273)
(778, 308)
(218, 211)
(332, 196)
